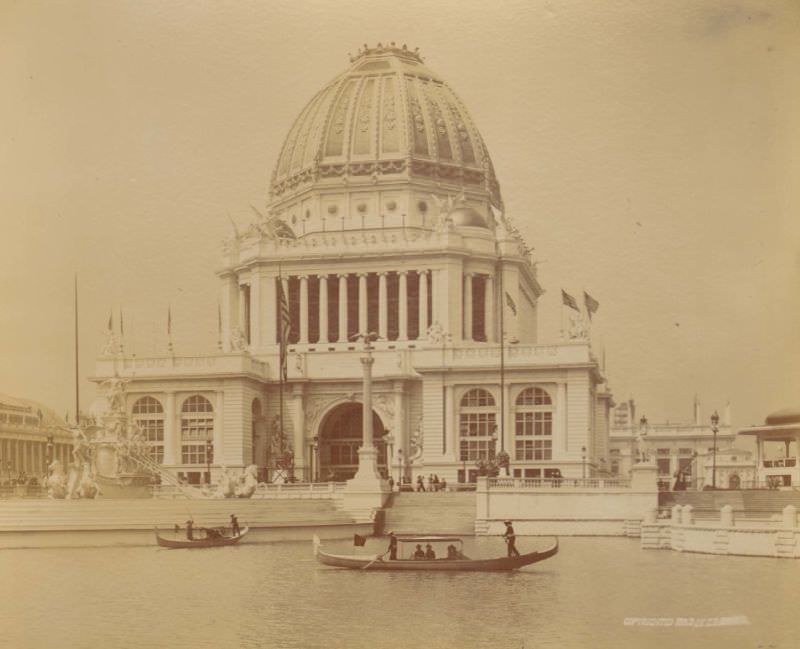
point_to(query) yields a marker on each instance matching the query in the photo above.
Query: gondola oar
(380, 556)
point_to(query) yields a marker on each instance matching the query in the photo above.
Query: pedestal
(367, 491)
(644, 477)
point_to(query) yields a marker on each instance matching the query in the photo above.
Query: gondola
(203, 542)
(459, 561)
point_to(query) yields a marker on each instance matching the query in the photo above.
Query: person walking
(510, 538)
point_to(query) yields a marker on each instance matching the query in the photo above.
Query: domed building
(384, 216)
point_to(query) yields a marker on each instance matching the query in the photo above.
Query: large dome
(386, 117)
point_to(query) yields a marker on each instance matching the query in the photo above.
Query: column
(383, 308)
(449, 446)
(219, 428)
(362, 303)
(342, 308)
(303, 309)
(269, 332)
(402, 305)
(255, 309)
(299, 427)
(323, 308)
(561, 418)
(170, 441)
(467, 306)
(488, 308)
(423, 303)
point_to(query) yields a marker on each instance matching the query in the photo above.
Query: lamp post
(715, 430)
(583, 462)
(209, 453)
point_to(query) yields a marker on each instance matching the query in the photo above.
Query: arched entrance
(340, 438)
(734, 482)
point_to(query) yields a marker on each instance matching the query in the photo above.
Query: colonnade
(29, 455)
(399, 305)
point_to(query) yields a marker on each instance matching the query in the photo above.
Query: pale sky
(647, 150)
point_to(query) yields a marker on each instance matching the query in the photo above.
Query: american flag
(568, 300)
(591, 304)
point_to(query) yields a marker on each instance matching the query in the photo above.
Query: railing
(264, 491)
(785, 462)
(559, 483)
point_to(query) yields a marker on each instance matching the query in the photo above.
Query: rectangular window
(197, 428)
(533, 449)
(534, 423)
(477, 424)
(475, 449)
(193, 454)
(663, 466)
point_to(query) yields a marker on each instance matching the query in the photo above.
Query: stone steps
(432, 513)
(143, 514)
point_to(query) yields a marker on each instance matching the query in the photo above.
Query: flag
(568, 300)
(511, 305)
(591, 304)
(359, 540)
(284, 325)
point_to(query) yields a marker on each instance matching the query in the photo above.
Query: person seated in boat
(420, 553)
(235, 530)
(429, 553)
(452, 552)
(190, 529)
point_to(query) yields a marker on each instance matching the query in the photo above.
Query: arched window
(533, 425)
(197, 427)
(477, 426)
(148, 415)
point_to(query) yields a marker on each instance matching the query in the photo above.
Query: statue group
(241, 486)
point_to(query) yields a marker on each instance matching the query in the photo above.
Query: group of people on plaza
(431, 483)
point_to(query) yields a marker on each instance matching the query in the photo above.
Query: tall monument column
(366, 491)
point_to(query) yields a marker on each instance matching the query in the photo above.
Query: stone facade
(385, 216)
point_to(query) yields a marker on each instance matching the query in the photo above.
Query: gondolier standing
(235, 530)
(510, 538)
(190, 529)
(392, 547)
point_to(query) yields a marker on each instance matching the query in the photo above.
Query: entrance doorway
(340, 436)
(734, 482)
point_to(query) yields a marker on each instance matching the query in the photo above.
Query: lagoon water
(597, 592)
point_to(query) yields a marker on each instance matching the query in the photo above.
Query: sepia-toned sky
(647, 149)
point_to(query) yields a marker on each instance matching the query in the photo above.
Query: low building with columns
(30, 435)
(384, 216)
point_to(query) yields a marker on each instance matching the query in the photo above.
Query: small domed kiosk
(778, 448)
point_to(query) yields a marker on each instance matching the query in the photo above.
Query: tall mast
(77, 384)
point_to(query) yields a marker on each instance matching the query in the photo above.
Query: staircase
(431, 513)
(166, 477)
(135, 514)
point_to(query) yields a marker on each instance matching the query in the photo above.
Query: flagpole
(281, 352)
(77, 383)
(502, 359)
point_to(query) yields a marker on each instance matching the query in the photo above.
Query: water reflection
(276, 595)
